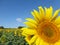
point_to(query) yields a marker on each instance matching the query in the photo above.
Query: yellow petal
(29, 31)
(31, 20)
(57, 21)
(24, 34)
(41, 12)
(57, 43)
(58, 26)
(36, 15)
(31, 25)
(33, 39)
(48, 12)
(27, 38)
(43, 42)
(37, 41)
(55, 14)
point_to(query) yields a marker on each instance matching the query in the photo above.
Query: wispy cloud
(18, 19)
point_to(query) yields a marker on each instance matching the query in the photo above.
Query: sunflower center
(48, 32)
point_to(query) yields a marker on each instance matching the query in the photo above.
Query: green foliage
(1, 27)
(20, 27)
(9, 38)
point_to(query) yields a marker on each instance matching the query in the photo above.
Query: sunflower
(43, 28)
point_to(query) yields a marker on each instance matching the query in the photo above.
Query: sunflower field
(11, 36)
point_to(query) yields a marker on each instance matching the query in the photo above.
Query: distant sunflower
(44, 29)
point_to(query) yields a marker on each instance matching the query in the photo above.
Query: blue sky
(14, 12)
